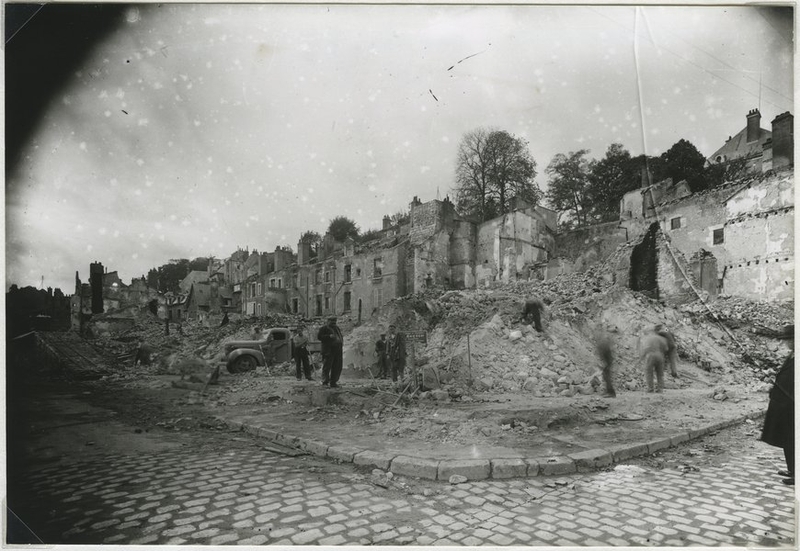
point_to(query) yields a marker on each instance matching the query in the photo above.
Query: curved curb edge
(482, 469)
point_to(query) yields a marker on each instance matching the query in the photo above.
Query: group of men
(391, 352)
(656, 346)
(331, 347)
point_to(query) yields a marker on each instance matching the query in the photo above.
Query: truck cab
(274, 347)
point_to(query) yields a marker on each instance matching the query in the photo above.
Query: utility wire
(689, 281)
(697, 65)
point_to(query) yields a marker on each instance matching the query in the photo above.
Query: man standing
(779, 422)
(396, 352)
(605, 350)
(330, 337)
(300, 350)
(672, 350)
(532, 310)
(380, 352)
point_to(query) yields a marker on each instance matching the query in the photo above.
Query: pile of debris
(190, 339)
(762, 317)
(755, 327)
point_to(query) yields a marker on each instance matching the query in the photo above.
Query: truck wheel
(242, 364)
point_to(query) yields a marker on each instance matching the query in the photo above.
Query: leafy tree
(400, 217)
(342, 227)
(152, 278)
(683, 161)
(312, 238)
(167, 277)
(199, 264)
(493, 168)
(568, 185)
(718, 173)
(609, 179)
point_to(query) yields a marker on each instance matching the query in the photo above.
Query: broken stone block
(440, 395)
(530, 383)
(515, 336)
(547, 373)
(457, 479)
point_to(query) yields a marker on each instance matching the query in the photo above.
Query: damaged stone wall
(577, 250)
(509, 243)
(371, 289)
(674, 277)
(659, 270)
(696, 218)
(429, 218)
(430, 262)
(759, 235)
(463, 240)
(644, 259)
(704, 268)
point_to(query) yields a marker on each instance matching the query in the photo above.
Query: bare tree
(493, 168)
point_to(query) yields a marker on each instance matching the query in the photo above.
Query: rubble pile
(191, 339)
(767, 318)
(503, 354)
(755, 326)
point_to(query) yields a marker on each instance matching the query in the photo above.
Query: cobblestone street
(257, 497)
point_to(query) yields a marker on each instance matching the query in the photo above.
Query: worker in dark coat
(532, 311)
(301, 355)
(396, 353)
(779, 422)
(380, 352)
(330, 337)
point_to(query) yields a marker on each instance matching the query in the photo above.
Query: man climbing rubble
(532, 311)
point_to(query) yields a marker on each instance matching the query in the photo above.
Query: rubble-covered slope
(476, 338)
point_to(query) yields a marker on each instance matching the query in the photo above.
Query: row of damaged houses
(736, 239)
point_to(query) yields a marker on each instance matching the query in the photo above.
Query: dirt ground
(372, 414)
(491, 383)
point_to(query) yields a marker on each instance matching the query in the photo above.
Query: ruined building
(669, 243)
(434, 248)
(107, 298)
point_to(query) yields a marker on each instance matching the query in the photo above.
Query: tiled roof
(737, 147)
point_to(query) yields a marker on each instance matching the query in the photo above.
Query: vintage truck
(275, 347)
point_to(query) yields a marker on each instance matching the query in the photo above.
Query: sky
(193, 130)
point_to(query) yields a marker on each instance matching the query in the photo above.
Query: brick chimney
(387, 222)
(303, 252)
(96, 282)
(783, 140)
(753, 125)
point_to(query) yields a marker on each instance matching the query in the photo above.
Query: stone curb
(481, 469)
